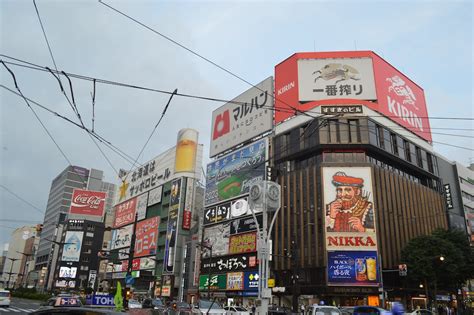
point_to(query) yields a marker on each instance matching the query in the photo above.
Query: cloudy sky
(429, 41)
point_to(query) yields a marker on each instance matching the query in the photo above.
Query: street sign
(129, 280)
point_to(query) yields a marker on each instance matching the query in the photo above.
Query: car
(347, 310)
(180, 307)
(75, 311)
(203, 306)
(279, 310)
(324, 310)
(236, 310)
(134, 304)
(61, 301)
(370, 310)
(5, 298)
(155, 303)
(421, 312)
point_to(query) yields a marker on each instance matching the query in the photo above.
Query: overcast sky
(429, 41)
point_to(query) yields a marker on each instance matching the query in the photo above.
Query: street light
(11, 269)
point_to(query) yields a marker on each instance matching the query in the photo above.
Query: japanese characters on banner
(186, 219)
(141, 206)
(125, 212)
(123, 253)
(242, 119)
(72, 248)
(227, 210)
(86, 202)
(122, 237)
(146, 237)
(251, 280)
(154, 196)
(233, 174)
(167, 284)
(243, 243)
(230, 263)
(217, 237)
(65, 284)
(67, 272)
(350, 224)
(172, 229)
(218, 282)
(235, 281)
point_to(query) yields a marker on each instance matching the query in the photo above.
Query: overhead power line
(22, 199)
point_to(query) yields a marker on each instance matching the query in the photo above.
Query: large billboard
(72, 247)
(229, 263)
(172, 228)
(122, 237)
(227, 210)
(146, 237)
(86, 202)
(67, 272)
(217, 237)
(233, 174)
(349, 209)
(245, 117)
(125, 212)
(243, 243)
(353, 268)
(308, 80)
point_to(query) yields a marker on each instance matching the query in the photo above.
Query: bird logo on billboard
(337, 71)
(401, 89)
(221, 125)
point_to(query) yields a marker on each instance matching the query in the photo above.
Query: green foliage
(422, 256)
(31, 294)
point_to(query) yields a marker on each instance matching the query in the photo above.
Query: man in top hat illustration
(351, 211)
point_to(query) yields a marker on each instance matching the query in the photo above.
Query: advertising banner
(141, 206)
(218, 282)
(86, 202)
(122, 237)
(72, 250)
(154, 196)
(186, 220)
(353, 268)
(401, 99)
(146, 237)
(245, 224)
(349, 209)
(336, 79)
(218, 213)
(233, 174)
(123, 253)
(235, 281)
(229, 263)
(65, 284)
(251, 281)
(217, 237)
(125, 212)
(186, 150)
(172, 229)
(147, 263)
(243, 243)
(91, 279)
(167, 284)
(67, 272)
(242, 119)
(102, 300)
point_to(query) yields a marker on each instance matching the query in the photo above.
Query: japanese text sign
(125, 212)
(146, 237)
(243, 243)
(235, 281)
(353, 268)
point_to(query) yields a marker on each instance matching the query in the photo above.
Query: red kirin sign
(86, 202)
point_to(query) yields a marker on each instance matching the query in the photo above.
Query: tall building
(59, 202)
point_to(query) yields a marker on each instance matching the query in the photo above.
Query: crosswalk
(14, 309)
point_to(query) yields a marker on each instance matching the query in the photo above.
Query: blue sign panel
(251, 281)
(100, 300)
(353, 268)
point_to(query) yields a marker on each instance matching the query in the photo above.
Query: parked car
(421, 312)
(279, 310)
(347, 310)
(370, 310)
(324, 310)
(5, 298)
(204, 305)
(75, 311)
(134, 304)
(236, 310)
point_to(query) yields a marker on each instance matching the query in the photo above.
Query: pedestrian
(253, 309)
(302, 307)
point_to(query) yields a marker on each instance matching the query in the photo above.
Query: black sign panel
(246, 224)
(229, 263)
(352, 109)
(449, 198)
(217, 213)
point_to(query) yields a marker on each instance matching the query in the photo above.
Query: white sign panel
(122, 237)
(72, 248)
(154, 196)
(67, 272)
(141, 206)
(92, 278)
(320, 79)
(123, 253)
(217, 237)
(247, 116)
(65, 284)
(147, 263)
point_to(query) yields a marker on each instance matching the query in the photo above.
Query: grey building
(57, 210)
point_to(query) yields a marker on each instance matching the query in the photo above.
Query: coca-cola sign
(86, 202)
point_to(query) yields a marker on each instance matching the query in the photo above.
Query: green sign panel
(218, 282)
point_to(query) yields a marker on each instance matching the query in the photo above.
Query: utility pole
(295, 274)
(130, 257)
(11, 269)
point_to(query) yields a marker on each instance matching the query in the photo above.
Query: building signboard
(217, 237)
(235, 281)
(125, 213)
(122, 237)
(86, 202)
(245, 224)
(147, 263)
(141, 206)
(353, 268)
(251, 280)
(218, 213)
(172, 229)
(146, 237)
(67, 272)
(72, 248)
(233, 174)
(92, 278)
(167, 284)
(65, 284)
(154, 196)
(242, 119)
(229, 263)
(186, 220)
(448, 196)
(218, 282)
(243, 243)
(342, 109)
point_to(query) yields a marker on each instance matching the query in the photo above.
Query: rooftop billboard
(86, 202)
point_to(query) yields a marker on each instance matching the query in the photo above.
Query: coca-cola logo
(92, 202)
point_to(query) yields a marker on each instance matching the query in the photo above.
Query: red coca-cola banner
(186, 220)
(86, 202)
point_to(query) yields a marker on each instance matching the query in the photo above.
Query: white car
(324, 310)
(5, 298)
(134, 304)
(236, 310)
(204, 305)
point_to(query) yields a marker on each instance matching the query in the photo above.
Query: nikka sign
(86, 202)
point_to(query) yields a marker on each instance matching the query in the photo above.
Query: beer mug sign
(186, 149)
(371, 268)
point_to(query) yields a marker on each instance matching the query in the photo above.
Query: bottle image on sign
(371, 268)
(361, 270)
(186, 150)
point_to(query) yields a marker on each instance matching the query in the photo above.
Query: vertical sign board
(233, 174)
(350, 226)
(92, 278)
(141, 206)
(172, 230)
(146, 237)
(72, 248)
(242, 119)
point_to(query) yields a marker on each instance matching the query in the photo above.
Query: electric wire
(22, 199)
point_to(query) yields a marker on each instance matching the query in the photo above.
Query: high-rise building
(57, 209)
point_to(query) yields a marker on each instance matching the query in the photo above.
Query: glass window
(380, 137)
(394, 144)
(372, 133)
(387, 141)
(419, 159)
(333, 131)
(354, 130)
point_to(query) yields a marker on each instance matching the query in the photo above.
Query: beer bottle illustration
(361, 269)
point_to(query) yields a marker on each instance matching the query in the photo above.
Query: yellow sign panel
(373, 300)
(271, 283)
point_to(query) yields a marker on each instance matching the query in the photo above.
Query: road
(20, 306)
